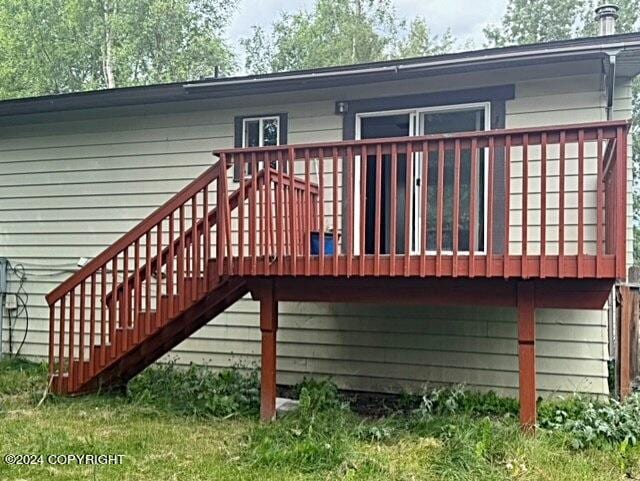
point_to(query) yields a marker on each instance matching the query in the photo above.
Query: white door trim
(418, 111)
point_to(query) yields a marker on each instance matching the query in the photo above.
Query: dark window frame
(238, 132)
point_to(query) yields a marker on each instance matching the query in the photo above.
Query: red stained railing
(538, 202)
(156, 271)
(535, 202)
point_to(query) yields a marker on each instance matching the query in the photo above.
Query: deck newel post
(527, 354)
(269, 329)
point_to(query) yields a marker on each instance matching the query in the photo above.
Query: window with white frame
(259, 131)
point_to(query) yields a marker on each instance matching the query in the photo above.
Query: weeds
(21, 381)
(169, 424)
(589, 422)
(315, 437)
(197, 390)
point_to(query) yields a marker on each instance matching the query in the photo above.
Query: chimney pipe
(606, 16)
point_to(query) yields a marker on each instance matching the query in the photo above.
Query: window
(258, 131)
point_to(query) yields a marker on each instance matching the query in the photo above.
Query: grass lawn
(161, 440)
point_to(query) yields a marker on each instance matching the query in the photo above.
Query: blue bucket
(329, 244)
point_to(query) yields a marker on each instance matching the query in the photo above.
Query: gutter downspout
(610, 81)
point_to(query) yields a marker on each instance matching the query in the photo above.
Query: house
(459, 218)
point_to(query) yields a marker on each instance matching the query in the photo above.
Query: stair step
(150, 333)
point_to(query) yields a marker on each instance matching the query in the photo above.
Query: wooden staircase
(152, 288)
(199, 252)
(127, 353)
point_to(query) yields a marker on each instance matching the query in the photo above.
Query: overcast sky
(466, 18)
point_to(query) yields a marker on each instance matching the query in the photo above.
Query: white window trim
(260, 119)
(417, 112)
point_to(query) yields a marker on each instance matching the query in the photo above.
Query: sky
(465, 18)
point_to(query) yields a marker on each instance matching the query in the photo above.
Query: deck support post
(527, 354)
(269, 329)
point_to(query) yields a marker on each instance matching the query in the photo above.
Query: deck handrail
(609, 124)
(319, 210)
(136, 232)
(212, 218)
(155, 272)
(352, 190)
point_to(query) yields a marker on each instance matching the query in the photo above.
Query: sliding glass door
(416, 122)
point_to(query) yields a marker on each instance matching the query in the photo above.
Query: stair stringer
(149, 350)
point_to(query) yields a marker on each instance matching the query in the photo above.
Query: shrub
(318, 395)
(197, 390)
(590, 422)
(456, 400)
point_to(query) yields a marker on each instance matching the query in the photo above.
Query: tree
(528, 21)
(56, 46)
(338, 32)
(531, 21)
(420, 42)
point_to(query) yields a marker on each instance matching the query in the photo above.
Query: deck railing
(539, 202)
(531, 202)
(151, 274)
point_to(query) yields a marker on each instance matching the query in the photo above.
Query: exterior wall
(563, 100)
(622, 109)
(70, 186)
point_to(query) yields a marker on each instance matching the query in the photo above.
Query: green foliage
(314, 437)
(373, 432)
(197, 390)
(593, 423)
(57, 46)
(317, 395)
(19, 375)
(419, 41)
(627, 21)
(532, 21)
(338, 32)
(323, 440)
(476, 449)
(456, 400)
(441, 401)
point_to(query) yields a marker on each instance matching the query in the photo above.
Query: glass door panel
(449, 121)
(416, 122)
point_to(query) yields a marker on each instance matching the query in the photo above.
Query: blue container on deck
(328, 243)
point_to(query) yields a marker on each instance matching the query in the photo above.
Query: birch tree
(56, 46)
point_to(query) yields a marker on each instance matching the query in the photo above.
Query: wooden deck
(439, 205)
(482, 266)
(525, 218)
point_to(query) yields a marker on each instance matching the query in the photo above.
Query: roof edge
(556, 51)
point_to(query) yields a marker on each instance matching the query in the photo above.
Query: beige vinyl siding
(552, 103)
(622, 110)
(70, 187)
